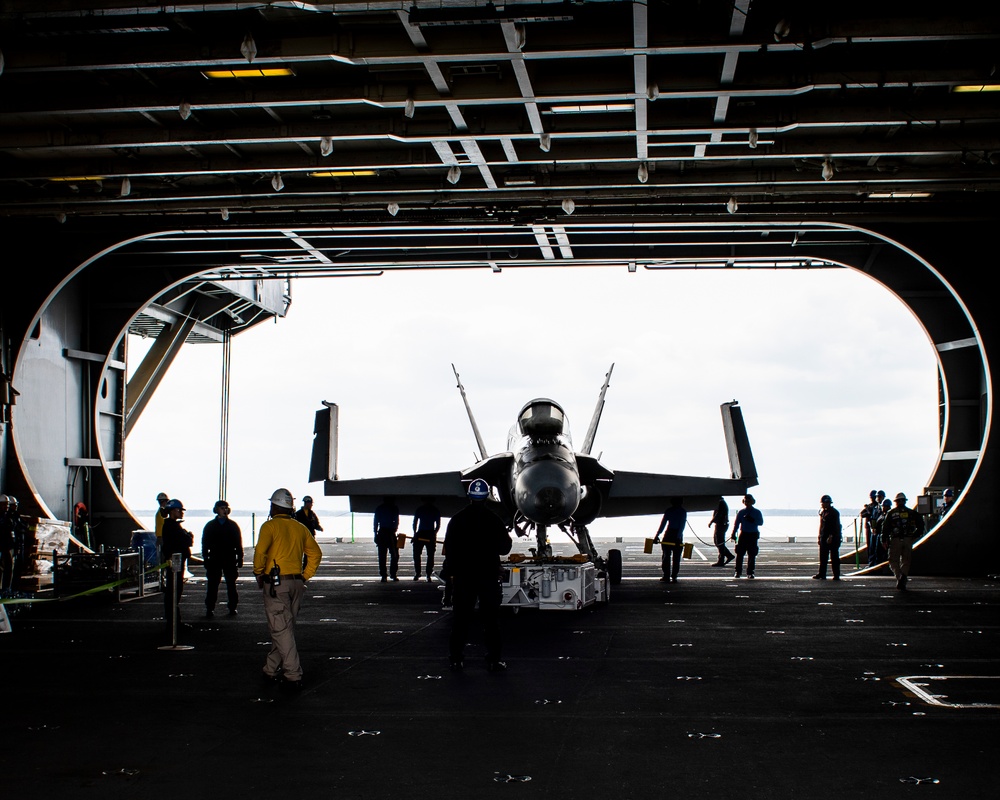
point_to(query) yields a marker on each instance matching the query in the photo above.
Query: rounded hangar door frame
(932, 268)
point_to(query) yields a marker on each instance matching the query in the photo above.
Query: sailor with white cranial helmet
(286, 556)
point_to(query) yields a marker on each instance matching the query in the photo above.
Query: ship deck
(779, 687)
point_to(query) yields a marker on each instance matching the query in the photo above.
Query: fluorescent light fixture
(78, 178)
(898, 195)
(977, 87)
(273, 72)
(343, 173)
(519, 180)
(595, 108)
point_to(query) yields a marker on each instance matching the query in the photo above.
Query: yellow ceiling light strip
(978, 87)
(343, 173)
(277, 72)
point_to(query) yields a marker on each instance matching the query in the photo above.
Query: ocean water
(779, 526)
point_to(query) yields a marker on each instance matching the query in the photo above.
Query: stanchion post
(177, 568)
(176, 564)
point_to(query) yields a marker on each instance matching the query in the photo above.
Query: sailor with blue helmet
(473, 543)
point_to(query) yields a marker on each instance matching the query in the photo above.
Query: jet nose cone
(547, 493)
(550, 499)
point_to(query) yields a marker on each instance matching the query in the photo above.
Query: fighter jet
(541, 482)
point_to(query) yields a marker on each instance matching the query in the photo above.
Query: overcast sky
(836, 379)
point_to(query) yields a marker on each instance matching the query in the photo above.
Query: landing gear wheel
(615, 567)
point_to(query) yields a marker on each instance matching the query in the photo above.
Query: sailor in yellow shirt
(286, 556)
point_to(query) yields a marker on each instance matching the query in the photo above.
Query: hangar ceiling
(205, 153)
(372, 112)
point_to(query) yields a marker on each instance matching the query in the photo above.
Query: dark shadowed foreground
(780, 687)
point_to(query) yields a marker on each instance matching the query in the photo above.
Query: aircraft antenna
(588, 443)
(472, 419)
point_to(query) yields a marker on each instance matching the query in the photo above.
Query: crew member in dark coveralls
(473, 543)
(900, 528)
(386, 524)
(307, 516)
(830, 536)
(175, 540)
(720, 521)
(672, 529)
(426, 524)
(869, 513)
(746, 532)
(222, 550)
(7, 543)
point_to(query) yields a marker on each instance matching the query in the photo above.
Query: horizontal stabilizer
(323, 465)
(738, 444)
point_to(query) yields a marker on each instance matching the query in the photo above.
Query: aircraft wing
(641, 493)
(409, 491)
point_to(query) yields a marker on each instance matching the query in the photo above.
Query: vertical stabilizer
(323, 465)
(588, 442)
(472, 419)
(738, 444)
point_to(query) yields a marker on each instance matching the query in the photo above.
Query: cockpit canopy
(543, 419)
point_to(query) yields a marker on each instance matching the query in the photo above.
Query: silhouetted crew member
(386, 524)
(175, 539)
(830, 536)
(286, 556)
(23, 539)
(222, 551)
(473, 543)
(7, 545)
(877, 551)
(869, 513)
(426, 524)
(746, 533)
(158, 519)
(720, 521)
(307, 516)
(900, 527)
(947, 501)
(672, 529)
